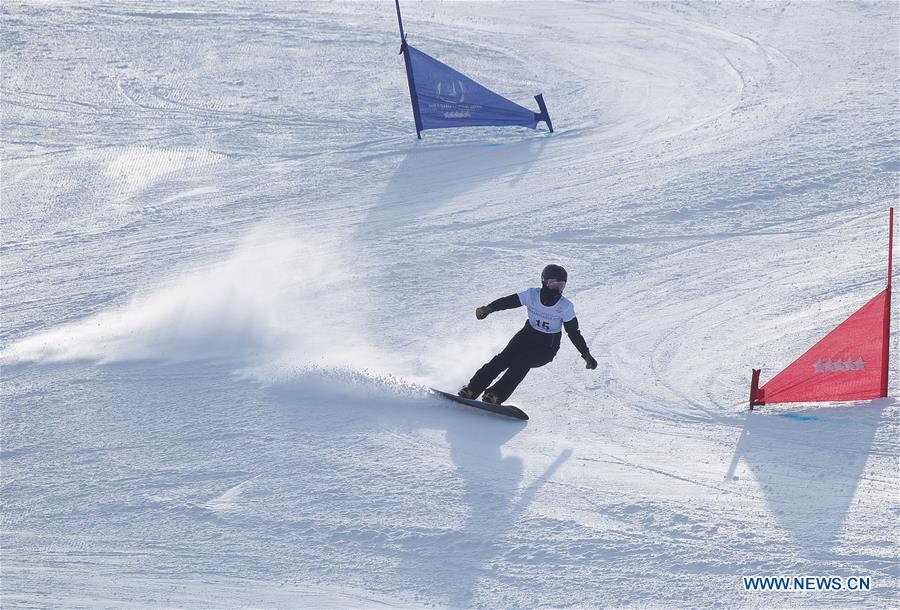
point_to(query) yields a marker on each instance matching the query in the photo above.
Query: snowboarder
(533, 346)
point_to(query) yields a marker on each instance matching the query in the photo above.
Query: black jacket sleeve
(575, 337)
(510, 302)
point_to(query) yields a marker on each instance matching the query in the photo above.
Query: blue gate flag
(443, 97)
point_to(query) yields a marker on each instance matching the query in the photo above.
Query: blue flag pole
(543, 115)
(413, 97)
(400, 20)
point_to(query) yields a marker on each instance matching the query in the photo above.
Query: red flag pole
(886, 339)
(754, 389)
(890, 247)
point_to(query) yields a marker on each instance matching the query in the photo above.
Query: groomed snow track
(230, 272)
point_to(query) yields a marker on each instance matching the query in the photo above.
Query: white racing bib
(546, 319)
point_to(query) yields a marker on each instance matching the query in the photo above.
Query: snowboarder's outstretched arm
(580, 344)
(510, 302)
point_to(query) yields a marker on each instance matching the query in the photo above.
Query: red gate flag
(849, 363)
(846, 365)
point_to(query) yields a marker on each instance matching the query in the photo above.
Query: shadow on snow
(808, 464)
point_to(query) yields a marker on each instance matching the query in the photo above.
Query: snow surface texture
(230, 269)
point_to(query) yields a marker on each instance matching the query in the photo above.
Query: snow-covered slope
(230, 271)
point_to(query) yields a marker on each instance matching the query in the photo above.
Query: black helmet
(558, 276)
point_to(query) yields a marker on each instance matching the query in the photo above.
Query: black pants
(528, 349)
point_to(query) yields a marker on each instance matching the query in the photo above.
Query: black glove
(482, 312)
(589, 362)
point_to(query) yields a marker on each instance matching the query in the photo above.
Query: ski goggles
(556, 285)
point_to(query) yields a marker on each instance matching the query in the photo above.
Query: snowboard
(505, 410)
